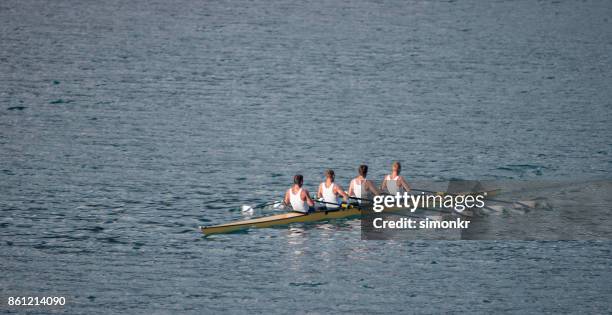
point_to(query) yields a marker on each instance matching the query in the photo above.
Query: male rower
(329, 191)
(360, 186)
(395, 183)
(298, 197)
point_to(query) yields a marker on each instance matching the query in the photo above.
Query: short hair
(329, 173)
(363, 170)
(298, 180)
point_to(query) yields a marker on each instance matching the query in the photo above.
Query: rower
(360, 186)
(298, 197)
(329, 191)
(394, 183)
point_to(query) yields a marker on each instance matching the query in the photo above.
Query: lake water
(126, 125)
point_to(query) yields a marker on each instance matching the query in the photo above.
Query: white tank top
(392, 186)
(357, 188)
(329, 196)
(296, 201)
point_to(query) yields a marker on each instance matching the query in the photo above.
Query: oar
(370, 200)
(328, 203)
(438, 192)
(412, 214)
(431, 192)
(451, 194)
(492, 208)
(524, 204)
(247, 208)
(339, 205)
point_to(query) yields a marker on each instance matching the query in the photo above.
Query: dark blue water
(126, 125)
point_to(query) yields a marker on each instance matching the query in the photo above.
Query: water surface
(126, 125)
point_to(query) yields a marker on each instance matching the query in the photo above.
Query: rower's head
(330, 174)
(363, 170)
(396, 167)
(298, 180)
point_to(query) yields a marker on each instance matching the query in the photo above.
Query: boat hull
(281, 219)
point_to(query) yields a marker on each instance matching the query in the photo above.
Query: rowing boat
(282, 219)
(345, 212)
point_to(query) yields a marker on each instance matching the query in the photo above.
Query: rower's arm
(372, 188)
(340, 191)
(306, 197)
(319, 191)
(404, 184)
(383, 186)
(351, 192)
(286, 200)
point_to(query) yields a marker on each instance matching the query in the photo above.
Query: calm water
(126, 125)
